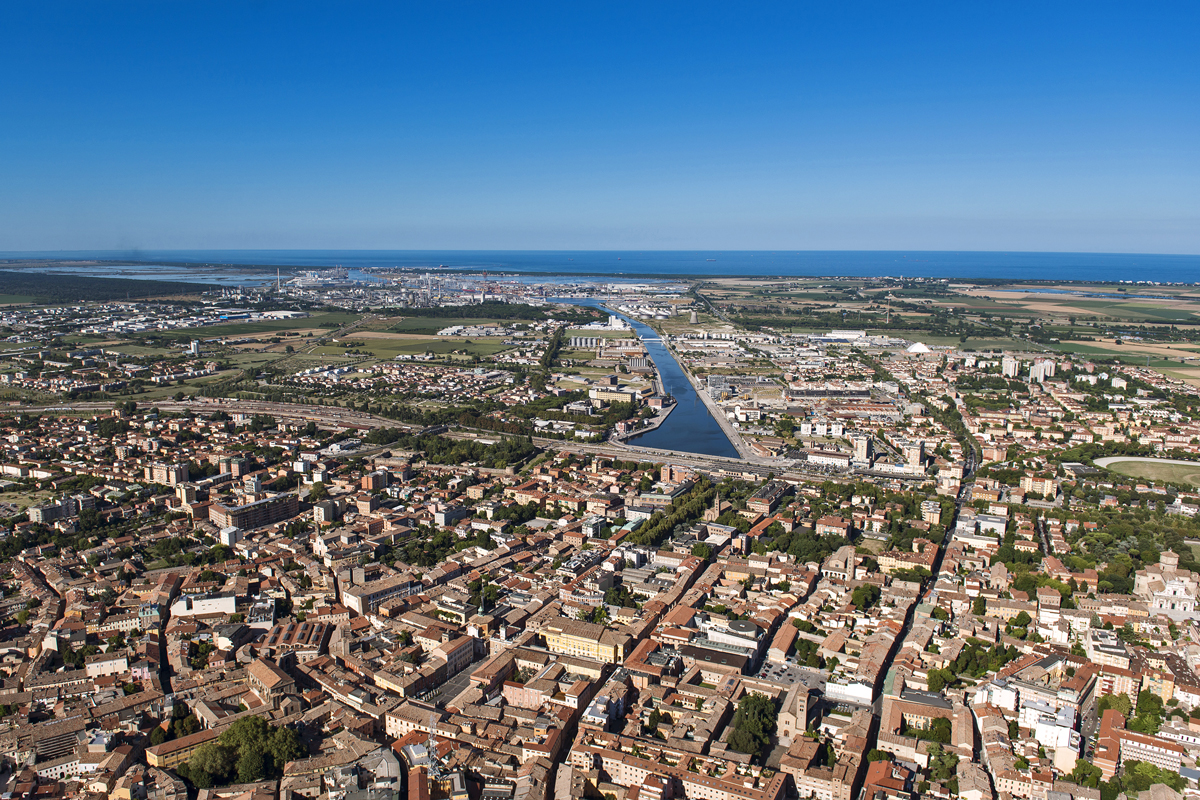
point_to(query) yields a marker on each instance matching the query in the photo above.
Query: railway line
(348, 418)
(342, 417)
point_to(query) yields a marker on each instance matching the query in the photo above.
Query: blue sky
(984, 126)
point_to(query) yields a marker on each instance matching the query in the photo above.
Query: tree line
(45, 288)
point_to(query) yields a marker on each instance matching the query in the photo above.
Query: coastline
(982, 267)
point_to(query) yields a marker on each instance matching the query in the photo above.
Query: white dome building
(917, 347)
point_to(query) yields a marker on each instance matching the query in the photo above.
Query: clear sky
(577, 125)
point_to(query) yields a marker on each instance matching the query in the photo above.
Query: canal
(690, 428)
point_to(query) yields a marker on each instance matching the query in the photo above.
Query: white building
(1168, 589)
(850, 690)
(998, 693)
(196, 605)
(102, 664)
(1057, 730)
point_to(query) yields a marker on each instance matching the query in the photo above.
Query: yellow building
(612, 395)
(574, 637)
(169, 755)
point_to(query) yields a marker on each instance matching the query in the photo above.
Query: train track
(348, 418)
(328, 414)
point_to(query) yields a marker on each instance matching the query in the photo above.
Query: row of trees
(681, 512)
(440, 450)
(43, 288)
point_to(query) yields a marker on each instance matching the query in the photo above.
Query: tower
(435, 765)
(914, 455)
(1169, 560)
(862, 446)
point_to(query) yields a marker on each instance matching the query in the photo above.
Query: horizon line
(774, 251)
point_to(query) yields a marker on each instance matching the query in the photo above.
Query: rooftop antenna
(435, 765)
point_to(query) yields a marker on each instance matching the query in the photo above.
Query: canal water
(690, 428)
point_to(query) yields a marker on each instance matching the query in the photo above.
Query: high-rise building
(914, 456)
(862, 446)
(1041, 369)
(167, 474)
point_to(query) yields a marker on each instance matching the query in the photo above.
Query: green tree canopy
(1120, 702)
(213, 759)
(251, 766)
(753, 724)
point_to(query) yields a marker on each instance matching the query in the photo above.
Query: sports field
(1155, 469)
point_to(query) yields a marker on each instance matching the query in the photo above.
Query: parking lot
(448, 690)
(790, 673)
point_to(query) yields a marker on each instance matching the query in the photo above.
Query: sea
(214, 266)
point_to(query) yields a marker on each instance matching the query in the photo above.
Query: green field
(1126, 354)
(390, 348)
(1085, 349)
(1172, 473)
(823, 297)
(142, 350)
(332, 321)
(1134, 310)
(251, 359)
(299, 362)
(431, 325)
(982, 344)
(8, 299)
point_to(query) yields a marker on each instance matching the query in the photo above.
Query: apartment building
(255, 515)
(1115, 745)
(167, 474)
